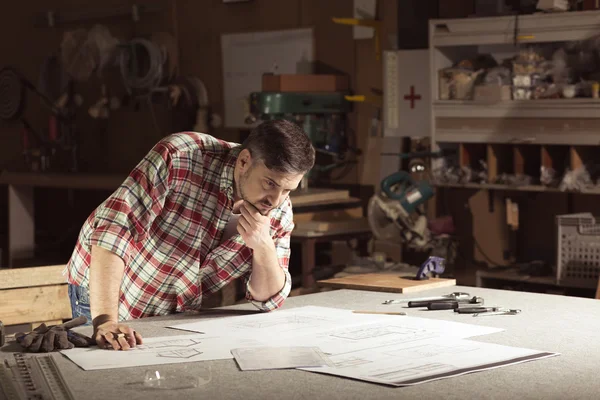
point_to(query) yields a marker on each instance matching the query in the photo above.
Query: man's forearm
(267, 277)
(106, 274)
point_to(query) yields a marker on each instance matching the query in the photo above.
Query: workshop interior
(457, 173)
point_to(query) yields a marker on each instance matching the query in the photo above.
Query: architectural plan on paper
(282, 324)
(389, 332)
(404, 364)
(157, 351)
(255, 358)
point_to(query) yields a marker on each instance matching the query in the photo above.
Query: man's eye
(270, 184)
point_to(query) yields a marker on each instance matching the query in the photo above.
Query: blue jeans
(80, 302)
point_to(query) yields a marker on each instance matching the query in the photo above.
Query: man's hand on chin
(254, 228)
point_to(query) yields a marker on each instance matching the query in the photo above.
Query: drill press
(322, 115)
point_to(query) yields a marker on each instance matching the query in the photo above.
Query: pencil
(379, 312)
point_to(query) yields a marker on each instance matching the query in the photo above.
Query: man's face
(263, 188)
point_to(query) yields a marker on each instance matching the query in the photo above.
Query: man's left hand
(254, 227)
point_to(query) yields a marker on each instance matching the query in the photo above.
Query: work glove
(54, 337)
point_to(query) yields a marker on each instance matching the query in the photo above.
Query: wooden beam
(32, 276)
(29, 305)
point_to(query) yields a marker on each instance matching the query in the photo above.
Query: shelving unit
(512, 137)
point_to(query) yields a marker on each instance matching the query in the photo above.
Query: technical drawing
(186, 353)
(294, 320)
(404, 334)
(351, 362)
(401, 374)
(170, 343)
(430, 350)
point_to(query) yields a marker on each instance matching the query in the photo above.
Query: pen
(379, 312)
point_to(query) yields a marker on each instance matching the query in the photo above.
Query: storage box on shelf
(509, 102)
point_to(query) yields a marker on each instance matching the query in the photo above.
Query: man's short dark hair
(282, 145)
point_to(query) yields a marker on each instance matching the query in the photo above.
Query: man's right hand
(111, 335)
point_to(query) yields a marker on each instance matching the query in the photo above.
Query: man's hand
(111, 335)
(254, 227)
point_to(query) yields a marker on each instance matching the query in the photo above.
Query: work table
(566, 325)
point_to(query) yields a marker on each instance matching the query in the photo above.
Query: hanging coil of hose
(142, 66)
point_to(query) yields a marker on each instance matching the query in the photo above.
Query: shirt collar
(227, 175)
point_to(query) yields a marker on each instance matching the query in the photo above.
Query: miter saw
(394, 213)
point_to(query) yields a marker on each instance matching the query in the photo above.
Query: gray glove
(55, 337)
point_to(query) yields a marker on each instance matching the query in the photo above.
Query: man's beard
(242, 195)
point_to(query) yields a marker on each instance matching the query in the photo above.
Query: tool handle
(443, 305)
(471, 310)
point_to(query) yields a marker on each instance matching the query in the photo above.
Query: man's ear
(245, 160)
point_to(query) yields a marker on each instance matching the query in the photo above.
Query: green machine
(322, 115)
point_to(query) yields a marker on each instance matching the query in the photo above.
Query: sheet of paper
(283, 324)
(280, 357)
(402, 329)
(412, 363)
(159, 350)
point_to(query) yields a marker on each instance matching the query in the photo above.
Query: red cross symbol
(412, 97)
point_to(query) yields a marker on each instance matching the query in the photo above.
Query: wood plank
(31, 276)
(329, 215)
(464, 157)
(393, 283)
(518, 160)
(21, 235)
(316, 195)
(28, 305)
(492, 162)
(575, 158)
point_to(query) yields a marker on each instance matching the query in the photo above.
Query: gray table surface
(567, 325)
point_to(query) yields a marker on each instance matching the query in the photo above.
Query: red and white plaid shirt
(166, 221)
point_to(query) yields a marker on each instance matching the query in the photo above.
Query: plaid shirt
(166, 221)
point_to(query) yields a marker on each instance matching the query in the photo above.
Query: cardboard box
(304, 83)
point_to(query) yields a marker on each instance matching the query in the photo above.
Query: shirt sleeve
(127, 215)
(282, 247)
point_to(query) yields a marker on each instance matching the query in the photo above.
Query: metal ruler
(33, 378)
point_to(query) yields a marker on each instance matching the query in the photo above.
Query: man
(193, 215)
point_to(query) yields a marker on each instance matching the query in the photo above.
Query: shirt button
(76, 302)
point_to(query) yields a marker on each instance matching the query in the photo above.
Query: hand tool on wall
(450, 296)
(55, 337)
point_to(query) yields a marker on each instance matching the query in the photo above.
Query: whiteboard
(247, 56)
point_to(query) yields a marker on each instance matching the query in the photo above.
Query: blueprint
(157, 351)
(412, 363)
(314, 321)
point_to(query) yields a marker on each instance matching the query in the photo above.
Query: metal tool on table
(33, 378)
(449, 304)
(450, 296)
(478, 311)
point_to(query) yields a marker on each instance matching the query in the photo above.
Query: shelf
(524, 188)
(534, 28)
(549, 108)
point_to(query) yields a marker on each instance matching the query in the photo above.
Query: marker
(379, 312)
